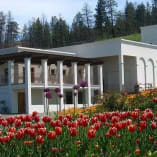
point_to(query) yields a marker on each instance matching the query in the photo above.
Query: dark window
(32, 75)
(23, 74)
(68, 98)
(52, 71)
(6, 75)
(80, 97)
(64, 72)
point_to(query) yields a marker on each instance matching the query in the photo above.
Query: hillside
(133, 37)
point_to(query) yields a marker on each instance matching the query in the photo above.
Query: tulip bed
(111, 134)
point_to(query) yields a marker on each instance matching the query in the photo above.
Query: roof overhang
(19, 53)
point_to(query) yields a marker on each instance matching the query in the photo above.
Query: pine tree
(148, 17)
(2, 29)
(11, 33)
(154, 12)
(120, 25)
(79, 29)
(140, 16)
(46, 40)
(101, 17)
(111, 7)
(130, 18)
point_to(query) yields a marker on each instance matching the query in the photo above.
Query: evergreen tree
(101, 19)
(130, 18)
(61, 33)
(148, 17)
(154, 11)
(46, 40)
(140, 16)
(120, 25)
(37, 33)
(79, 29)
(2, 29)
(11, 32)
(111, 7)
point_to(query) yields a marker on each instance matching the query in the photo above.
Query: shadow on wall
(3, 107)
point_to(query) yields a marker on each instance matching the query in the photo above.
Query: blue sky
(25, 10)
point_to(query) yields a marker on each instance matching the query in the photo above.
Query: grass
(133, 37)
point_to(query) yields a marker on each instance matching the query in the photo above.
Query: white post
(87, 67)
(154, 80)
(45, 80)
(75, 81)
(138, 69)
(121, 72)
(10, 82)
(100, 68)
(28, 95)
(60, 73)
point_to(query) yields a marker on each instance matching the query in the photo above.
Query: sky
(25, 10)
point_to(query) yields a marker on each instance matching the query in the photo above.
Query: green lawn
(133, 37)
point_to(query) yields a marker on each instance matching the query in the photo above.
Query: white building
(114, 64)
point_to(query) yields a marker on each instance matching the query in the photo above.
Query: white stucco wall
(149, 34)
(130, 73)
(110, 73)
(146, 56)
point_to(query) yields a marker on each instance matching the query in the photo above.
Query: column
(138, 69)
(74, 68)
(88, 91)
(100, 75)
(28, 95)
(45, 80)
(75, 81)
(10, 82)
(60, 76)
(155, 75)
(121, 72)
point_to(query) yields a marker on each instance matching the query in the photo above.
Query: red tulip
(112, 131)
(39, 139)
(153, 125)
(54, 149)
(73, 132)
(131, 128)
(137, 151)
(58, 131)
(51, 135)
(91, 133)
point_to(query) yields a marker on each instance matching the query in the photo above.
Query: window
(53, 72)
(80, 97)
(23, 74)
(6, 75)
(68, 97)
(32, 75)
(64, 72)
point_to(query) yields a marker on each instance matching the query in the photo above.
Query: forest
(105, 22)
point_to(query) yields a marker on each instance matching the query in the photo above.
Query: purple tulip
(57, 90)
(48, 95)
(46, 90)
(83, 84)
(60, 95)
(76, 87)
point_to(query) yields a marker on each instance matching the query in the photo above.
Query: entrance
(21, 102)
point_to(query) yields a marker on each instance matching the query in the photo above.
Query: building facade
(116, 64)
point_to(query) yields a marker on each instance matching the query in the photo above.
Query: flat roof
(19, 53)
(19, 49)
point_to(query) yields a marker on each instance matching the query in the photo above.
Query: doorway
(21, 102)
